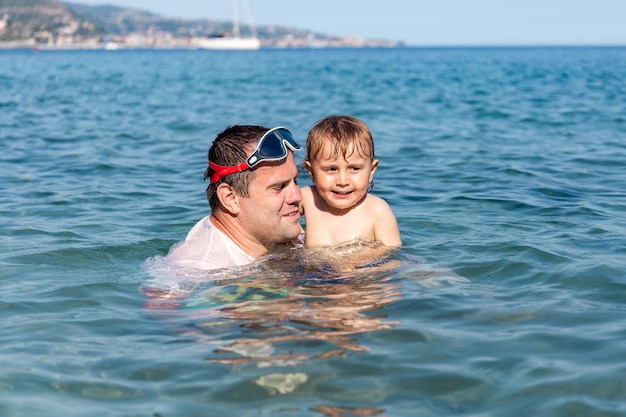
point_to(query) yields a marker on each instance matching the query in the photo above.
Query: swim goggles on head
(271, 147)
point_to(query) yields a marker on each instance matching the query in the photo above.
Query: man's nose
(295, 196)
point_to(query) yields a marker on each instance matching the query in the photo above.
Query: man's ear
(228, 197)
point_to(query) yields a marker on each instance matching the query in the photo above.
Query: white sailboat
(233, 41)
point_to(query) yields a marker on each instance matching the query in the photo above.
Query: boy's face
(341, 182)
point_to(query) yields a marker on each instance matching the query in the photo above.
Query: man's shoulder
(198, 233)
(201, 226)
(206, 245)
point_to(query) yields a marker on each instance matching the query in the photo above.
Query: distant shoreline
(29, 45)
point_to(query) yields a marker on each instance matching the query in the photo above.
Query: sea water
(505, 167)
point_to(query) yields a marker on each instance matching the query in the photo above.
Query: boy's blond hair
(346, 134)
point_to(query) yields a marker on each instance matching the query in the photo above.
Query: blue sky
(423, 22)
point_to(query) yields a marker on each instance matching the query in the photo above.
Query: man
(254, 198)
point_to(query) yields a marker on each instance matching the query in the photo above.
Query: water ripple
(504, 169)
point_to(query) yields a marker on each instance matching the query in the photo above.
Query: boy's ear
(374, 168)
(228, 197)
(307, 165)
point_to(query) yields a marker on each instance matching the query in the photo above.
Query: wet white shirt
(207, 247)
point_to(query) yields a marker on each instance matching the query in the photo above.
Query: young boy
(338, 207)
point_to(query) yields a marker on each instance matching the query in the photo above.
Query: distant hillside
(23, 19)
(123, 21)
(28, 18)
(53, 23)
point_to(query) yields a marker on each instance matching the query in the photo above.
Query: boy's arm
(385, 225)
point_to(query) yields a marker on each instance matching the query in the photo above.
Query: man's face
(270, 214)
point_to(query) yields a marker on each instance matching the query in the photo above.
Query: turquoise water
(506, 171)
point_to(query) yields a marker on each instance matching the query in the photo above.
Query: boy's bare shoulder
(308, 193)
(374, 202)
(307, 189)
(307, 198)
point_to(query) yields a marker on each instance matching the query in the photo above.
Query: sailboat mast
(235, 4)
(234, 41)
